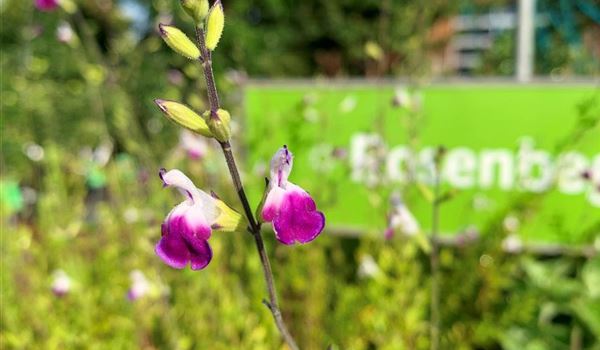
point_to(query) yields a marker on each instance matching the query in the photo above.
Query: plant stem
(435, 263)
(254, 226)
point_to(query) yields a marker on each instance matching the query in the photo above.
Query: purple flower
(46, 5)
(187, 228)
(289, 207)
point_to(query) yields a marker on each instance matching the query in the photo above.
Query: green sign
(511, 150)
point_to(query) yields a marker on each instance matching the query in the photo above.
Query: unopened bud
(184, 116)
(219, 124)
(179, 42)
(214, 25)
(197, 9)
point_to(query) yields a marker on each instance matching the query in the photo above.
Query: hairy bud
(184, 116)
(179, 42)
(214, 25)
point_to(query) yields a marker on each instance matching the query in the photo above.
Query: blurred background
(82, 204)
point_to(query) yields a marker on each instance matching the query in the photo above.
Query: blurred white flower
(139, 285)
(348, 104)
(511, 224)
(131, 215)
(403, 98)
(401, 219)
(512, 244)
(102, 153)
(367, 157)
(61, 283)
(367, 267)
(33, 151)
(64, 33)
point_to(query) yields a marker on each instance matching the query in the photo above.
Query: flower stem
(254, 226)
(434, 328)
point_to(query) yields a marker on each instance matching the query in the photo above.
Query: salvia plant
(189, 226)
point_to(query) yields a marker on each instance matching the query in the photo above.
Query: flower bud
(197, 9)
(184, 116)
(179, 42)
(219, 125)
(215, 24)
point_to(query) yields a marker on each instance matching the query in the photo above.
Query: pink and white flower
(290, 208)
(187, 228)
(61, 283)
(194, 145)
(140, 286)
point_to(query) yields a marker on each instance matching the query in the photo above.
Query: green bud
(214, 25)
(179, 42)
(184, 116)
(197, 9)
(219, 125)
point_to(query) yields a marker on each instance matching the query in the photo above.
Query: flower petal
(178, 179)
(200, 253)
(192, 223)
(210, 209)
(272, 203)
(172, 249)
(281, 166)
(298, 220)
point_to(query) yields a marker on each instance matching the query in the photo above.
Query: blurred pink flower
(139, 285)
(194, 145)
(61, 283)
(46, 5)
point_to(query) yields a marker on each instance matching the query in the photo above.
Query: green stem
(254, 227)
(435, 262)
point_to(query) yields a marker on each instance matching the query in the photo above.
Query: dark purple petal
(298, 220)
(173, 250)
(200, 253)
